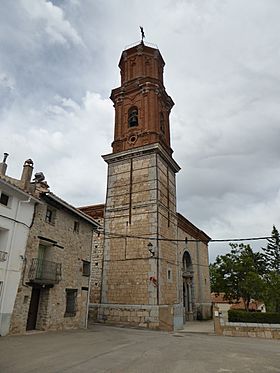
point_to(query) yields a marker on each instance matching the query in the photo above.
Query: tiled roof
(237, 305)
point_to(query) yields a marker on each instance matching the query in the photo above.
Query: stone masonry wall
(201, 280)
(71, 249)
(130, 210)
(141, 202)
(167, 226)
(241, 329)
(96, 265)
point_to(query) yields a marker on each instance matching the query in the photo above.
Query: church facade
(149, 264)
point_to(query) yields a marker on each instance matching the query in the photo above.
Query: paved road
(119, 350)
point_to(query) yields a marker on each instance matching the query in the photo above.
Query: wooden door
(33, 309)
(40, 263)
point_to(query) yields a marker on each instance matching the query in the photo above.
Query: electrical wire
(119, 235)
(16, 221)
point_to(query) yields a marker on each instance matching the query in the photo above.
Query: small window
(71, 302)
(25, 299)
(4, 199)
(169, 275)
(133, 117)
(76, 226)
(86, 268)
(50, 216)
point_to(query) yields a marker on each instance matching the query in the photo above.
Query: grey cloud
(222, 70)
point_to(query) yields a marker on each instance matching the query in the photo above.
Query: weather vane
(142, 34)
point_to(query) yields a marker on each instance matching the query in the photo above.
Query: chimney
(3, 165)
(26, 173)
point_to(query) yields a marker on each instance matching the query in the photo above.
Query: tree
(272, 251)
(272, 292)
(272, 277)
(239, 274)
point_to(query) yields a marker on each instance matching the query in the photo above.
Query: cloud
(63, 141)
(52, 20)
(59, 63)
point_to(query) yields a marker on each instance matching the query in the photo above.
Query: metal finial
(142, 34)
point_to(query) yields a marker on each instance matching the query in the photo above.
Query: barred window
(71, 302)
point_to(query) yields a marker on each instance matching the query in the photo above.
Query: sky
(59, 63)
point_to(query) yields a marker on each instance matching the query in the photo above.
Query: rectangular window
(50, 216)
(76, 226)
(86, 268)
(71, 302)
(4, 199)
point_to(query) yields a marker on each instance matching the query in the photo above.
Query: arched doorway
(187, 275)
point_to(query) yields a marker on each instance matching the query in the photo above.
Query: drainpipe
(89, 281)
(157, 240)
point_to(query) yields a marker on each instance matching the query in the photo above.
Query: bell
(133, 121)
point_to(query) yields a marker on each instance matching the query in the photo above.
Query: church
(149, 262)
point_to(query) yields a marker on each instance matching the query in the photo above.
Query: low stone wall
(241, 329)
(163, 317)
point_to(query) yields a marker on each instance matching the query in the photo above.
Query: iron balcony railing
(44, 272)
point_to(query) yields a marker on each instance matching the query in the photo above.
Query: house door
(33, 309)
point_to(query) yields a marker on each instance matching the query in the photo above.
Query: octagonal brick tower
(140, 282)
(141, 102)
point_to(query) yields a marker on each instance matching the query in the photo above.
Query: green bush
(254, 317)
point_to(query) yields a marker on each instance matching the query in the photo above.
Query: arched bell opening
(133, 117)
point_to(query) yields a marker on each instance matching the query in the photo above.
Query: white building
(16, 214)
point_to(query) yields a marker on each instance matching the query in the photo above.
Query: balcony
(44, 272)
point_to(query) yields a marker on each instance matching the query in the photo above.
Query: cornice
(142, 150)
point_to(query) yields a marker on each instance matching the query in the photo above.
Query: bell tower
(140, 278)
(142, 106)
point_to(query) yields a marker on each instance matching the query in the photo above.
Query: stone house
(52, 287)
(150, 263)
